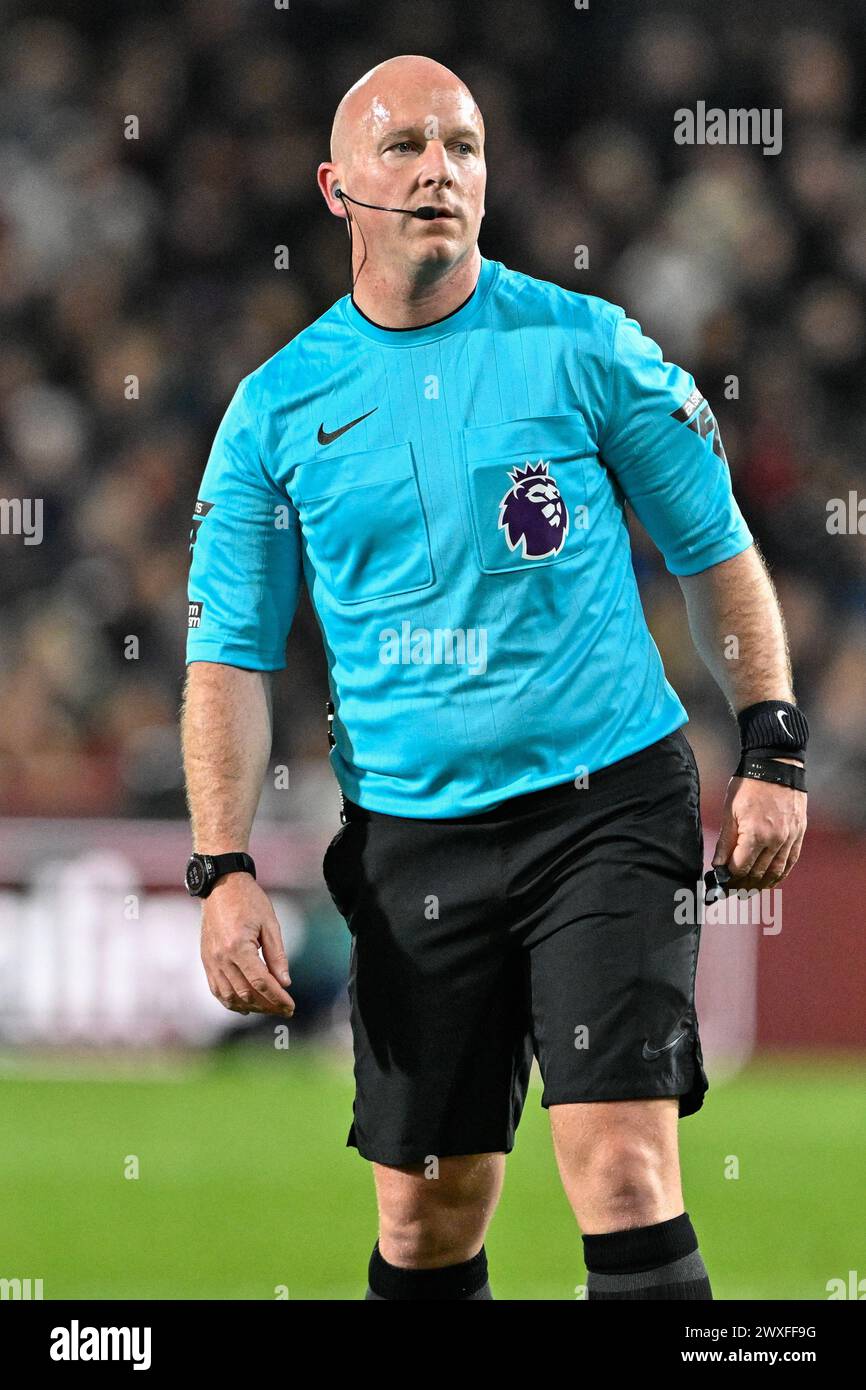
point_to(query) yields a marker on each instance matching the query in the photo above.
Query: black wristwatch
(203, 870)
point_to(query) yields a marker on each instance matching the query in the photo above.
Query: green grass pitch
(245, 1184)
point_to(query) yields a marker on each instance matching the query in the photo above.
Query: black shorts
(547, 926)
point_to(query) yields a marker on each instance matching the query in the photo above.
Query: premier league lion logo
(532, 513)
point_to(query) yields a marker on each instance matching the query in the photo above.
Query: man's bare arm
(738, 629)
(226, 734)
(226, 731)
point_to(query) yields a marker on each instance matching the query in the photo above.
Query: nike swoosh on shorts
(650, 1052)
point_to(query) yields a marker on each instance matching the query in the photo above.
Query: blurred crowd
(138, 285)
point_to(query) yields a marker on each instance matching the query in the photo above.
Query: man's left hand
(762, 832)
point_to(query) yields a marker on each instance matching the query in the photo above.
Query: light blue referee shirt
(454, 497)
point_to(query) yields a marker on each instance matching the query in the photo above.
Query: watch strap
(767, 770)
(232, 863)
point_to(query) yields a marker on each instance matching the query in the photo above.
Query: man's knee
(627, 1174)
(430, 1219)
(620, 1166)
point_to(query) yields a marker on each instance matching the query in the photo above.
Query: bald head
(409, 79)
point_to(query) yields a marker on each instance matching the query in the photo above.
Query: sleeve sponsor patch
(195, 612)
(199, 512)
(689, 406)
(696, 414)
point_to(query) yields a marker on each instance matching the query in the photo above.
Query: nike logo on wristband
(782, 715)
(328, 436)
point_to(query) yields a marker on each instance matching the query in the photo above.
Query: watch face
(194, 876)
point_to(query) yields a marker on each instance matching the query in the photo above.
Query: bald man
(444, 458)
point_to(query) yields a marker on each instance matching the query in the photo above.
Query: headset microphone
(426, 214)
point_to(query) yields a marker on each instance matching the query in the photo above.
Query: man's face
(412, 152)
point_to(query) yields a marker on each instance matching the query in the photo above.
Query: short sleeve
(245, 552)
(662, 443)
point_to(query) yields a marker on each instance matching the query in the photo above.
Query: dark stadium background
(154, 258)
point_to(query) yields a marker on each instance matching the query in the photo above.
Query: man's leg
(431, 1229)
(619, 1164)
(441, 1039)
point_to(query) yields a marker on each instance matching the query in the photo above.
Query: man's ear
(322, 179)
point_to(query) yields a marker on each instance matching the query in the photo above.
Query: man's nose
(436, 166)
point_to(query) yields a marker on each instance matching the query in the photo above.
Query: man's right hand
(237, 919)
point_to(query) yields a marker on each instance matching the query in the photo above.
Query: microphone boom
(426, 214)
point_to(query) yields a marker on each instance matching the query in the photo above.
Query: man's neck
(397, 300)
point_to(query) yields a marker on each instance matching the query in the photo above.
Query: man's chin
(437, 250)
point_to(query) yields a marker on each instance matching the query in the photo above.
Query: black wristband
(773, 729)
(766, 770)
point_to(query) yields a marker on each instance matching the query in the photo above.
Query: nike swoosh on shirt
(651, 1052)
(328, 436)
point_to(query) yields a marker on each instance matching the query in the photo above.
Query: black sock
(661, 1262)
(467, 1281)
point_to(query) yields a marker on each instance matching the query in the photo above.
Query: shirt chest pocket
(364, 524)
(527, 488)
